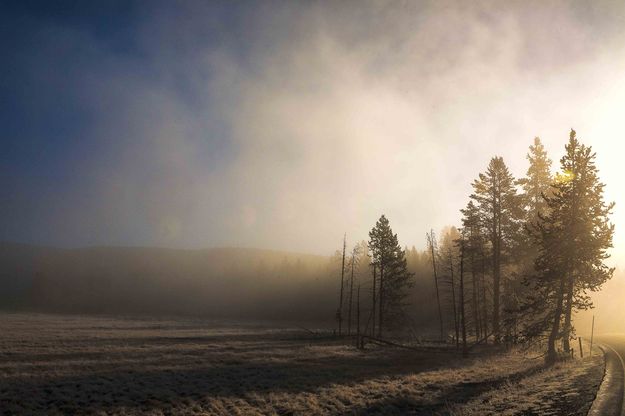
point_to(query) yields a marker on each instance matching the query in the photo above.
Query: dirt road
(610, 398)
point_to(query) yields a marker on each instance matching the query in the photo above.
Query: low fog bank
(608, 310)
(232, 283)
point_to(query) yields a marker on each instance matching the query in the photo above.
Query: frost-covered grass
(82, 365)
(568, 388)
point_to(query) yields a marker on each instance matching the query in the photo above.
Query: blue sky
(286, 124)
(61, 57)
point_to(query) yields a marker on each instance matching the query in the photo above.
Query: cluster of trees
(385, 261)
(523, 259)
(527, 252)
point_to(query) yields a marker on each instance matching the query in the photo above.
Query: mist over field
(223, 283)
(271, 207)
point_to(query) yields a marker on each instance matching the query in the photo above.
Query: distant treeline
(216, 283)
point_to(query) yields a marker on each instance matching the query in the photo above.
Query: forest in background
(216, 283)
(526, 255)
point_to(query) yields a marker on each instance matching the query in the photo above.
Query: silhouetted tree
(394, 277)
(573, 240)
(535, 186)
(473, 249)
(589, 228)
(354, 263)
(431, 241)
(339, 313)
(495, 196)
(448, 254)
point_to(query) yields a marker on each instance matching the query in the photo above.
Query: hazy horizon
(281, 126)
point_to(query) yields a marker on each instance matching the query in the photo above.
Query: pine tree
(589, 228)
(473, 247)
(536, 183)
(573, 239)
(495, 196)
(394, 278)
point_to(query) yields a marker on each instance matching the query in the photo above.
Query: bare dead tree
(351, 291)
(431, 239)
(340, 310)
(358, 342)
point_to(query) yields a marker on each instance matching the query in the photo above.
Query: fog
(285, 125)
(221, 207)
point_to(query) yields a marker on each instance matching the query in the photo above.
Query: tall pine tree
(573, 239)
(537, 182)
(535, 186)
(588, 226)
(473, 250)
(389, 260)
(495, 195)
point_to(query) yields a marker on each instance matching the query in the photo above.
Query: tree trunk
(373, 302)
(453, 299)
(566, 330)
(483, 288)
(358, 318)
(552, 355)
(474, 299)
(351, 297)
(497, 276)
(381, 302)
(340, 312)
(438, 298)
(462, 315)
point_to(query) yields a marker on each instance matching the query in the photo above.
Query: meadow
(62, 364)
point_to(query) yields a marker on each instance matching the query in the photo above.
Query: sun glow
(565, 176)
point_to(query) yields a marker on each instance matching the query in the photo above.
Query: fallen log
(421, 348)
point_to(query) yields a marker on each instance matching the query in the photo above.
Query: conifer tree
(473, 246)
(536, 183)
(588, 227)
(495, 196)
(394, 279)
(573, 240)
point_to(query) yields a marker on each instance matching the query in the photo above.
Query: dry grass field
(66, 365)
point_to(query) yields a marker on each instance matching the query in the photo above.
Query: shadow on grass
(460, 393)
(161, 380)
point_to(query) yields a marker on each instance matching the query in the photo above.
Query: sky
(287, 124)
